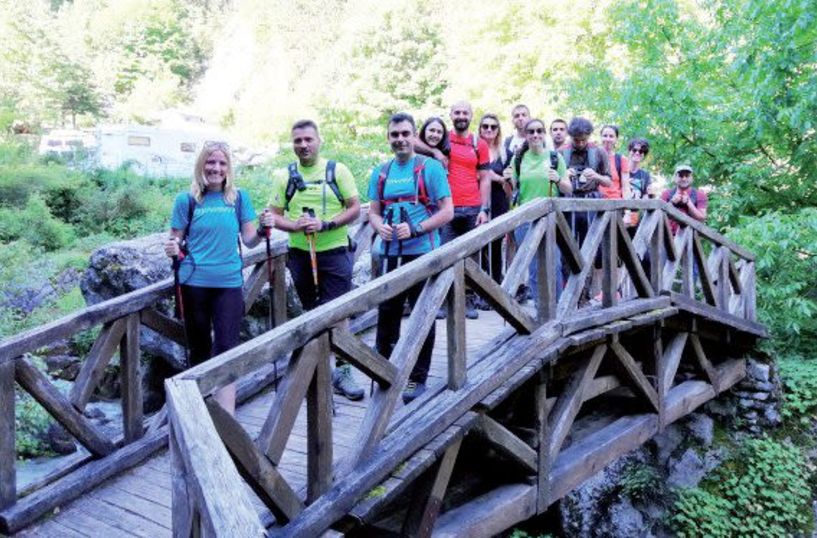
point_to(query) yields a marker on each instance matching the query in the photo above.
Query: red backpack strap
(381, 182)
(421, 194)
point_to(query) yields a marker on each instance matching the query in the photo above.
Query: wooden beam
(668, 365)
(704, 363)
(546, 260)
(639, 381)
(724, 282)
(404, 356)
(734, 277)
(703, 271)
(131, 380)
(503, 302)
(575, 283)
(225, 509)
(319, 425)
(680, 250)
(352, 349)
(31, 507)
(507, 443)
(609, 257)
(164, 325)
(455, 327)
(633, 263)
(8, 455)
(490, 514)
(707, 232)
(567, 245)
(39, 386)
(669, 241)
(524, 255)
(648, 226)
(94, 365)
(717, 315)
(257, 470)
(687, 266)
(570, 400)
(288, 399)
(541, 424)
(656, 254)
(182, 499)
(254, 283)
(425, 507)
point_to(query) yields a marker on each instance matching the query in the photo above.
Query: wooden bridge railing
(698, 271)
(120, 319)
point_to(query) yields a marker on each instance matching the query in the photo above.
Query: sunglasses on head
(642, 151)
(489, 126)
(538, 130)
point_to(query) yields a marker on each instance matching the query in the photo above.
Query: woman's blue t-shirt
(400, 184)
(213, 260)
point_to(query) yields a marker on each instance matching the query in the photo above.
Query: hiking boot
(344, 383)
(470, 309)
(482, 304)
(522, 294)
(412, 391)
(442, 313)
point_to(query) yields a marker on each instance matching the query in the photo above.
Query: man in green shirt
(314, 200)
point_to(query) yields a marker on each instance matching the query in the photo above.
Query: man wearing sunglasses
(686, 198)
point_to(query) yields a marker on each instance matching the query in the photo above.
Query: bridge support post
(543, 443)
(428, 499)
(8, 476)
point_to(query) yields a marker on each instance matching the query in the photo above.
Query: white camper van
(152, 151)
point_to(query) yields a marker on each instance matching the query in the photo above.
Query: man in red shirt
(686, 198)
(468, 177)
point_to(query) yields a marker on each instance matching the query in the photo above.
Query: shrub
(762, 491)
(799, 378)
(640, 481)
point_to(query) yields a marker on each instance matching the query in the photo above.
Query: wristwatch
(419, 230)
(486, 210)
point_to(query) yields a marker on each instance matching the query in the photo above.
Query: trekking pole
(179, 310)
(267, 231)
(313, 255)
(388, 218)
(403, 218)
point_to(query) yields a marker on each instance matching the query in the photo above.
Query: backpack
(592, 162)
(296, 183)
(420, 191)
(191, 208)
(644, 182)
(517, 162)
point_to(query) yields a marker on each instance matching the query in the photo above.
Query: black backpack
(296, 183)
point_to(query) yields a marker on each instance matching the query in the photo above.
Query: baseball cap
(682, 168)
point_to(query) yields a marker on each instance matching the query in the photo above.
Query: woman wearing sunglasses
(538, 173)
(205, 226)
(491, 132)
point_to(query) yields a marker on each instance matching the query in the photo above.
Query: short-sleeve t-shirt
(615, 190)
(701, 201)
(533, 176)
(213, 260)
(463, 163)
(400, 184)
(319, 197)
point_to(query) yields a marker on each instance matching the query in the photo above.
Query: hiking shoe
(482, 304)
(470, 309)
(442, 313)
(522, 294)
(344, 383)
(412, 391)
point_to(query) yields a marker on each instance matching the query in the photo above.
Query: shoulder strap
(332, 182)
(566, 155)
(292, 184)
(593, 157)
(381, 180)
(693, 195)
(507, 146)
(475, 145)
(617, 159)
(420, 192)
(191, 208)
(554, 160)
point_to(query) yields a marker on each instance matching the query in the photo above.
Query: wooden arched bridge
(523, 405)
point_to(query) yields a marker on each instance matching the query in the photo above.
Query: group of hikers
(439, 185)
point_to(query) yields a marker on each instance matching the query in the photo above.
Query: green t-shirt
(533, 176)
(317, 196)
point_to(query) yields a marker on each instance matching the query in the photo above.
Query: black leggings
(219, 310)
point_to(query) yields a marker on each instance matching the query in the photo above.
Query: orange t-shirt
(614, 190)
(463, 163)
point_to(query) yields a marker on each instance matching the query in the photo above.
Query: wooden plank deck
(138, 502)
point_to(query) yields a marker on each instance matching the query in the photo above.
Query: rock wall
(612, 502)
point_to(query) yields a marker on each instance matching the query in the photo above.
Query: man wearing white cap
(686, 198)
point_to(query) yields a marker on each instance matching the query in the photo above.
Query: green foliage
(763, 490)
(786, 267)
(799, 378)
(36, 225)
(640, 481)
(31, 424)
